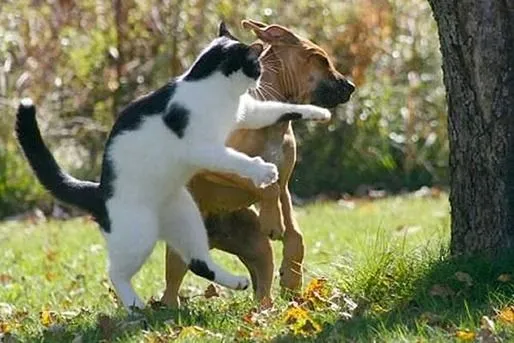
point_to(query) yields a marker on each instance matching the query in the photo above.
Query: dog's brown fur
(294, 69)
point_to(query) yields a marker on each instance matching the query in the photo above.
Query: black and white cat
(155, 147)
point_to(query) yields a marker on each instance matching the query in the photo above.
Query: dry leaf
(465, 336)
(504, 277)
(266, 304)
(487, 323)
(487, 331)
(442, 291)
(5, 279)
(464, 277)
(507, 315)
(47, 318)
(309, 328)
(106, 325)
(5, 327)
(211, 291)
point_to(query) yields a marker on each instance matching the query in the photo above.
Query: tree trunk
(477, 44)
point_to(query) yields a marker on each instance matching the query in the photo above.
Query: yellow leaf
(504, 277)
(5, 327)
(507, 315)
(47, 318)
(295, 314)
(465, 335)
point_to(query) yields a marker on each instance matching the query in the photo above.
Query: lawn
(375, 271)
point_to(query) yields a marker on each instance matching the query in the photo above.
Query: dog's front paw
(263, 173)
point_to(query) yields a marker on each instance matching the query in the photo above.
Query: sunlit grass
(388, 257)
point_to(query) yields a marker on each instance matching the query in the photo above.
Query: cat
(156, 145)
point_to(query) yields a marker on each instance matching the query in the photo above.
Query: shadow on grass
(449, 294)
(104, 328)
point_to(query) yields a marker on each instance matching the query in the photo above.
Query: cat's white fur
(153, 165)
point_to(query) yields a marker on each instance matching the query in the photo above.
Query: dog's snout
(347, 85)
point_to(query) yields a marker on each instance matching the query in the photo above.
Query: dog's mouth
(330, 93)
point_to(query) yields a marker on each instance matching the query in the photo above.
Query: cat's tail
(82, 194)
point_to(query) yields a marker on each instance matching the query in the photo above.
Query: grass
(385, 265)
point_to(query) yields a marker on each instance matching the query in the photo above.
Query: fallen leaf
(106, 325)
(507, 315)
(5, 327)
(5, 279)
(211, 291)
(266, 303)
(51, 255)
(487, 331)
(465, 335)
(309, 328)
(442, 291)
(295, 314)
(47, 318)
(6, 310)
(487, 323)
(504, 277)
(464, 277)
(50, 276)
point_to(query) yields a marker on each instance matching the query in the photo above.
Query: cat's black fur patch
(200, 268)
(176, 119)
(225, 55)
(130, 119)
(289, 116)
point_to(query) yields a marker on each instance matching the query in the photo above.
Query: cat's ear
(255, 50)
(224, 32)
(272, 34)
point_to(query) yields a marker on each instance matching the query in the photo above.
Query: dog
(297, 71)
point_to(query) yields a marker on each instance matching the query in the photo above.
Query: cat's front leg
(255, 114)
(228, 160)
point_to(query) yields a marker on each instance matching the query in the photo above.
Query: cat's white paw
(263, 173)
(241, 283)
(317, 113)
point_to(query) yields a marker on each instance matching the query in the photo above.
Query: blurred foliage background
(81, 61)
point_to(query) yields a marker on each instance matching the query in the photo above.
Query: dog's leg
(238, 233)
(291, 269)
(256, 114)
(183, 229)
(176, 269)
(270, 214)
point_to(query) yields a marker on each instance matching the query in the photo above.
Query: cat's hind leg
(133, 234)
(183, 229)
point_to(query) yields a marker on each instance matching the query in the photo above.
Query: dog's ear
(272, 34)
(247, 24)
(224, 32)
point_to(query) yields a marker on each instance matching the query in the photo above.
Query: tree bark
(477, 45)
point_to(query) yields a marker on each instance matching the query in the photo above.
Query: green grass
(387, 257)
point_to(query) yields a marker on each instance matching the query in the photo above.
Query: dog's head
(302, 70)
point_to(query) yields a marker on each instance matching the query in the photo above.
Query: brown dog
(297, 71)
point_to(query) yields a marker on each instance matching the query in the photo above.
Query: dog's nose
(348, 85)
